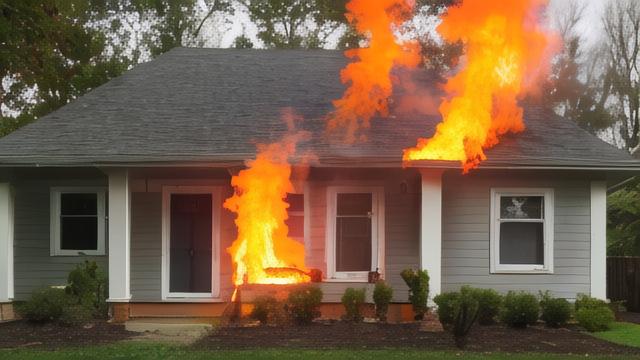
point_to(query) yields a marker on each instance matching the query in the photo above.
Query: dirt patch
(350, 335)
(21, 334)
(631, 317)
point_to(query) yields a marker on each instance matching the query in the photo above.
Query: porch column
(431, 228)
(599, 239)
(6, 246)
(119, 238)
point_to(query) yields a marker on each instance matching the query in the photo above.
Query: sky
(591, 25)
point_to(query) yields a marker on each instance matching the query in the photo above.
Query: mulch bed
(21, 334)
(371, 336)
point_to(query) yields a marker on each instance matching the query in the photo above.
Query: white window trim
(377, 232)
(496, 266)
(55, 228)
(216, 205)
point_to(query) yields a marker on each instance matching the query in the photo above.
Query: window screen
(79, 221)
(522, 230)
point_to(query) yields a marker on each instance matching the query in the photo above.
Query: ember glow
(263, 253)
(505, 51)
(369, 77)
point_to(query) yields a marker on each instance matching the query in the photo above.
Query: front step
(193, 328)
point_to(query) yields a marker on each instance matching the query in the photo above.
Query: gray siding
(34, 267)
(466, 219)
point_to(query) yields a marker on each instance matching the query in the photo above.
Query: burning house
(206, 170)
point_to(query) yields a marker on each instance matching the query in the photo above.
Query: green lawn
(160, 351)
(622, 333)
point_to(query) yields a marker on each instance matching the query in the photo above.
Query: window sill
(523, 271)
(338, 280)
(77, 253)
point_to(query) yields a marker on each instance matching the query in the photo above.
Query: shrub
(418, 282)
(352, 299)
(466, 310)
(595, 318)
(382, 295)
(555, 311)
(303, 304)
(446, 307)
(45, 305)
(88, 284)
(489, 302)
(519, 309)
(583, 300)
(265, 309)
(76, 315)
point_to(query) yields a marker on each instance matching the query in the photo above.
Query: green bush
(45, 305)
(418, 282)
(465, 312)
(555, 311)
(88, 285)
(595, 318)
(519, 309)
(489, 302)
(76, 315)
(265, 309)
(303, 304)
(382, 295)
(446, 307)
(583, 300)
(352, 300)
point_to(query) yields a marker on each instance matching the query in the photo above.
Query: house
(118, 176)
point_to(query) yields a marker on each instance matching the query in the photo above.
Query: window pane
(522, 243)
(79, 204)
(353, 244)
(296, 226)
(296, 202)
(79, 233)
(354, 204)
(521, 207)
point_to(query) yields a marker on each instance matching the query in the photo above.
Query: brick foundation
(120, 312)
(7, 312)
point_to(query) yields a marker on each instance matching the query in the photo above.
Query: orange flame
(370, 76)
(505, 51)
(263, 253)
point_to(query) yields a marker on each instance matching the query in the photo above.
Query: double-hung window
(295, 221)
(78, 221)
(522, 230)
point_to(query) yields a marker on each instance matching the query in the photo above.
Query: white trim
(6, 243)
(431, 229)
(55, 205)
(548, 220)
(377, 232)
(307, 220)
(119, 236)
(598, 273)
(216, 205)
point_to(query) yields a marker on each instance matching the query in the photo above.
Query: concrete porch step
(191, 327)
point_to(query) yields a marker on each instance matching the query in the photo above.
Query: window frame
(55, 223)
(377, 232)
(548, 233)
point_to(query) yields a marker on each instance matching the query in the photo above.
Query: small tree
(418, 282)
(382, 295)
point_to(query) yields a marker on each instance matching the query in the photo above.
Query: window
(355, 232)
(77, 221)
(295, 222)
(522, 230)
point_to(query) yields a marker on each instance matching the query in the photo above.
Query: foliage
(623, 220)
(352, 300)
(265, 309)
(45, 305)
(242, 42)
(595, 318)
(446, 306)
(382, 295)
(555, 312)
(88, 284)
(75, 314)
(465, 312)
(519, 309)
(303, 304)
(489, 302)
(586, 301)
(418, 282)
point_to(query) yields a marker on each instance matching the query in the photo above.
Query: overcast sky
(591, 25)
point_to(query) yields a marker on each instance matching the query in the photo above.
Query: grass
(135, 350)
(621, 333)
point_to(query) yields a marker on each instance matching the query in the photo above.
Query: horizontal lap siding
(35, 268)
(465, 247)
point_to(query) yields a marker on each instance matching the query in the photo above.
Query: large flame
(506, 49)
(263, 253)
(369, 77)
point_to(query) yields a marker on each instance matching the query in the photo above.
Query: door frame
(216, 205)
(377, 232)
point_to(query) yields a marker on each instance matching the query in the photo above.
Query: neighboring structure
(134, 173)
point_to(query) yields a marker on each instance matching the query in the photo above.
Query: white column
(119, 236)
(6, 243)
(431, 228)
(599, 239)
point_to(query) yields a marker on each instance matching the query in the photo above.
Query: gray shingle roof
(213, 105)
